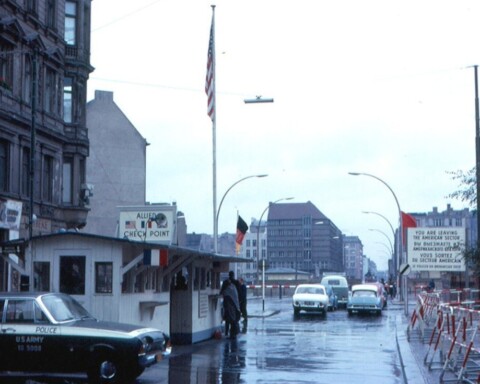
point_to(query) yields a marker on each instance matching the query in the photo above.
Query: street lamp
(258, 99)
(258, 248)
(400, 245)
(386, 236)
(384, 218)
(215, 224)
(387, 248)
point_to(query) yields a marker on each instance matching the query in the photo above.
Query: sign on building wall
(10, 214)
(436, 249)
(149, 223)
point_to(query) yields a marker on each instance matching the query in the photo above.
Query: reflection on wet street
(285, 349)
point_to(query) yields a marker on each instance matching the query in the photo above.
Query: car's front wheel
(106, 369)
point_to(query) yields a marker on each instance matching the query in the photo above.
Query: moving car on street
(365, 298)
(310, 298)
(52, 335)
(339, 285)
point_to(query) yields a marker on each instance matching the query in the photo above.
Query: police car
(52, 335)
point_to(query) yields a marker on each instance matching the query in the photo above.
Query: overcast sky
(380, 87)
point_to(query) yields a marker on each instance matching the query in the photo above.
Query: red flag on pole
(408, 221)
(210, 78)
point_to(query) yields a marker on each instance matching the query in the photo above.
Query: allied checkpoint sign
(436, 249)
(150, 223)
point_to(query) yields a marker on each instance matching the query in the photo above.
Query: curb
(265, 314)
(411, 372)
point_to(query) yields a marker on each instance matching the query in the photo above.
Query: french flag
(155, 257)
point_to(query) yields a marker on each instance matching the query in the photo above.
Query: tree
(468, 186)
(468, 193)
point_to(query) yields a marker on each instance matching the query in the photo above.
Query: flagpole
(214, 132)
(237, 247)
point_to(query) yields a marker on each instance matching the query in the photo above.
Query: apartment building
(301, 237)
(44, 68)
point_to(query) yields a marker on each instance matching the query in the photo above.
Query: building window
(47, 179)
(6, 66)
(67, 181)
(41, 282)
(4, 165)
(68, 100)
(49, 91)
(51, 14)
(72, 275)
(25, 171)
(82, 170)
(70, 23)
(31, 6)
(103, 277)
(50, 98)
(27, 79)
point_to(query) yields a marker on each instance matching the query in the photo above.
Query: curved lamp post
(388, 249)
(258, 248)
(400, 240)
(386, 236)
(396, 201)
(215, 224)
(384, 218)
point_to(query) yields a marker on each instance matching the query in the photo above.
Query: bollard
(280, 291)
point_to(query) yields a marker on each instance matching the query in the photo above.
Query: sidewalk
(411, 361)
(414, 351)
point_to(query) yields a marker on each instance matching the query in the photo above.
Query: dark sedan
(52, 335)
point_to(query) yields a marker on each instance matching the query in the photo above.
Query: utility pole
(477, 149)
(32, 140)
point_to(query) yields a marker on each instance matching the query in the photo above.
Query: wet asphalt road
(280, 348)
(285, 349)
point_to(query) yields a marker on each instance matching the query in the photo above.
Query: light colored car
(310, 298)
(365, 298)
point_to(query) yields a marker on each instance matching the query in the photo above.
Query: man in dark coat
(243, 299)
(231, 308)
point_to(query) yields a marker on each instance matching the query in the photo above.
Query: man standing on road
(231, 308)
(243, 302)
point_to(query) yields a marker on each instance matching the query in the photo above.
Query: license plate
(309, 303)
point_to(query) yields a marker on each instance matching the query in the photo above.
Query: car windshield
(65, 308)
(313, 290)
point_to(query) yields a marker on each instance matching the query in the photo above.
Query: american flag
(210, 79)
(130, 224)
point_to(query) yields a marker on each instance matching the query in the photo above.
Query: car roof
(310, 285)
(32, 295)
(369, 287)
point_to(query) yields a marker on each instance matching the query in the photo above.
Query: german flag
(242, 229)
